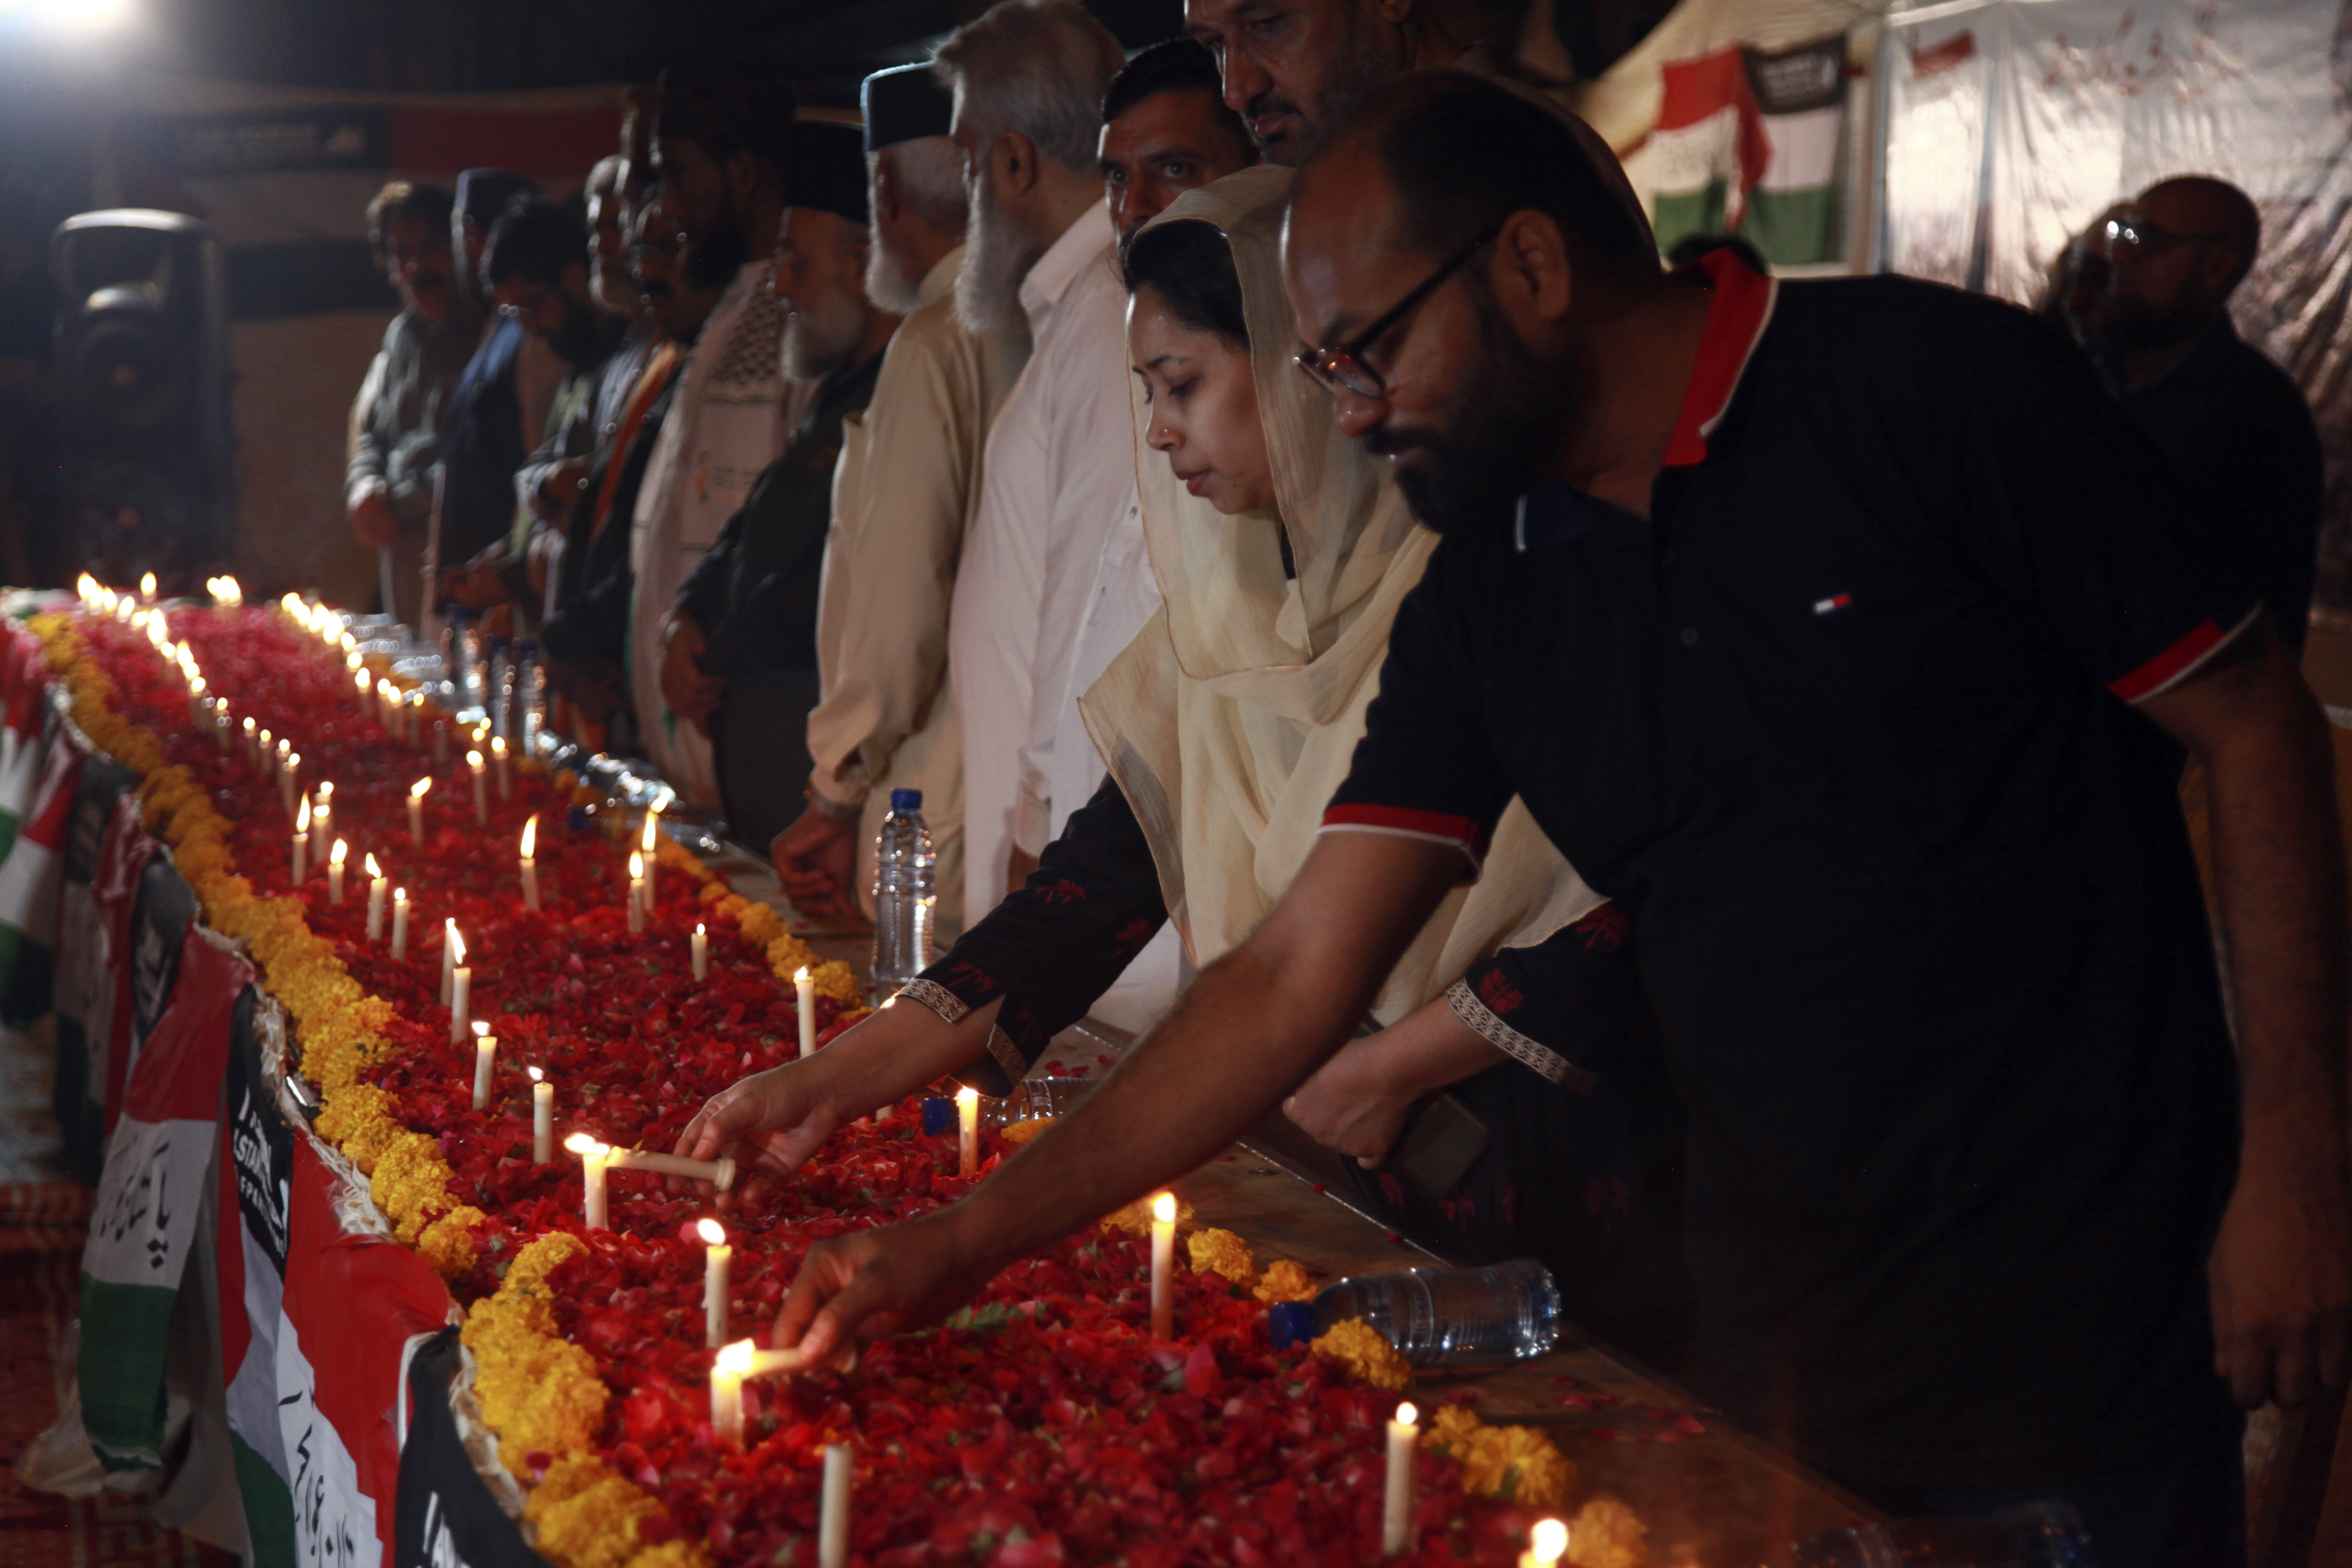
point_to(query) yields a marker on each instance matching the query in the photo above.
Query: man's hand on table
(816, 861)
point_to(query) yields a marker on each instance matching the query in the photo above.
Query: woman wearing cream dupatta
(1232, 718)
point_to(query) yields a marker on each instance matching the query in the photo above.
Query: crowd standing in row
(1269, 499)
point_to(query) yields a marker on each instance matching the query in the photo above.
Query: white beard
(888, 282)
(996, 257)
(819, 340)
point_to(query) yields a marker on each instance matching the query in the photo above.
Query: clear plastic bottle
(531, 697)
(2032, 1535)
(905, 894)
(1438, 1317)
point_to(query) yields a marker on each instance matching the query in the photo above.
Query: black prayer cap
(827, 169)
(905, 103)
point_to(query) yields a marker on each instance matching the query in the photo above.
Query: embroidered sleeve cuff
(2182, 660)
(1404, 822)
(930, 993)
(1489, 1026)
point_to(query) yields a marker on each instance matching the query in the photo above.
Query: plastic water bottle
(1437, 1317)
(2033, 1535)
(904, 893)
(529, 719)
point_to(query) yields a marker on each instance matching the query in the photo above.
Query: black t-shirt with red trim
(1910, 887)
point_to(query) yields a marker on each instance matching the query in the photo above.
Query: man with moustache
(751, 600)
(1808, 619)
(902, 498)
(586, 635)
(397, 419)
(498, 410)
(1167, 131)
(719, 147)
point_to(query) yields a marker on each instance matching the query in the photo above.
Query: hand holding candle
(542, 1118)
(530, 865)
(1163, 1262)
(486, 1056)
(715, 1257)
(1396, 1504)
(416, 793)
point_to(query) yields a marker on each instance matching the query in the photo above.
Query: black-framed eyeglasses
(1341, 368)
(2151, 240)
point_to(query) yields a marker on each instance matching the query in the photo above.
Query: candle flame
(481, 1026)
(535, 1074)
(581, 1143)
(646, 840)
(698, 928)
(86, 586)
(374, 869)
(400, 895)
(734, 1360)
(1406, 1415)
(147, 584)
(326, 791)
(711, 1232)
(637, 867)
(474, 761)
(418, 790)
(303, 816)
(228, 592)
(335, 855)
(1548, 1541)
(456, 944)
(293, 761)
(800, 975)
(530, 838)
(1163, 1208)
(499, 746)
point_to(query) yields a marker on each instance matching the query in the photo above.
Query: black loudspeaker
(142, 384)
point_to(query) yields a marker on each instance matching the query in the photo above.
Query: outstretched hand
(878, 1282)
(771, 1120)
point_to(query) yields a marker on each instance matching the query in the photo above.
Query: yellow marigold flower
(584, 1516)
(1517, 1465)
(1605, 1533)
(836, 980)
(1284, 1281)
(670, 1554)
(536, 1261)
(1136, 1217)
(1220, 1252)
(711, 892)
(448, 1243)
(758, 923)
(1019, 1133)
(1357, 1347)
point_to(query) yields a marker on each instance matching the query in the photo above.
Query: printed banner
(84, 999)
(29, 877)
(1747, 142)
(445, 1514)
(158, 1159)
(352, 1304)
(256, 1189)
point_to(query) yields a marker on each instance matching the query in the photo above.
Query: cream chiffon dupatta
(1230, 719)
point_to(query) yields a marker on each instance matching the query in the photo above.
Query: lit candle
(805, 993)
(701, 953)
(646, 848)
(449, 956)
(1396, 1507)
(399, 925)
(323, 817)
(591, 1171)
(719, 1172)
(637, 897)
(542, 1118)
(366, 689)
(727, 1392)
(498, 760)
(220, 725)
(252, 741)
(461, 988)
(377, 886)
(335, 871)
(530, 865)
(417, 794)
(716, 1252)
(968, 1131)
(481, 790)
(833, 1516)
(440, 743)
(486, 1056)
(300, 852)
(1163, 1263)
(1546, 1545)
(147, 584)
(291, 783)
(229, 595)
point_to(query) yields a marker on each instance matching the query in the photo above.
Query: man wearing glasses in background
(2234, 426)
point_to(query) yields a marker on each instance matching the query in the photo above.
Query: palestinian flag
(257, 1177)
(30, 868)
(143, 1227)
(1747, 142)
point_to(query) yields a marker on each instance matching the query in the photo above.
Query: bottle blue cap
(1290, 1324)
(939, 1115)
(906, 800)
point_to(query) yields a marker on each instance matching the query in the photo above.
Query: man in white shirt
(719, 141)
(905, 492)
(1028, 78)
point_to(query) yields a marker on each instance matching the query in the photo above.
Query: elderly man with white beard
(752, 598)
(1029, 78)
(909, 483)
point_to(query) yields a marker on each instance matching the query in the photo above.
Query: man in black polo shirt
(1787, 611)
